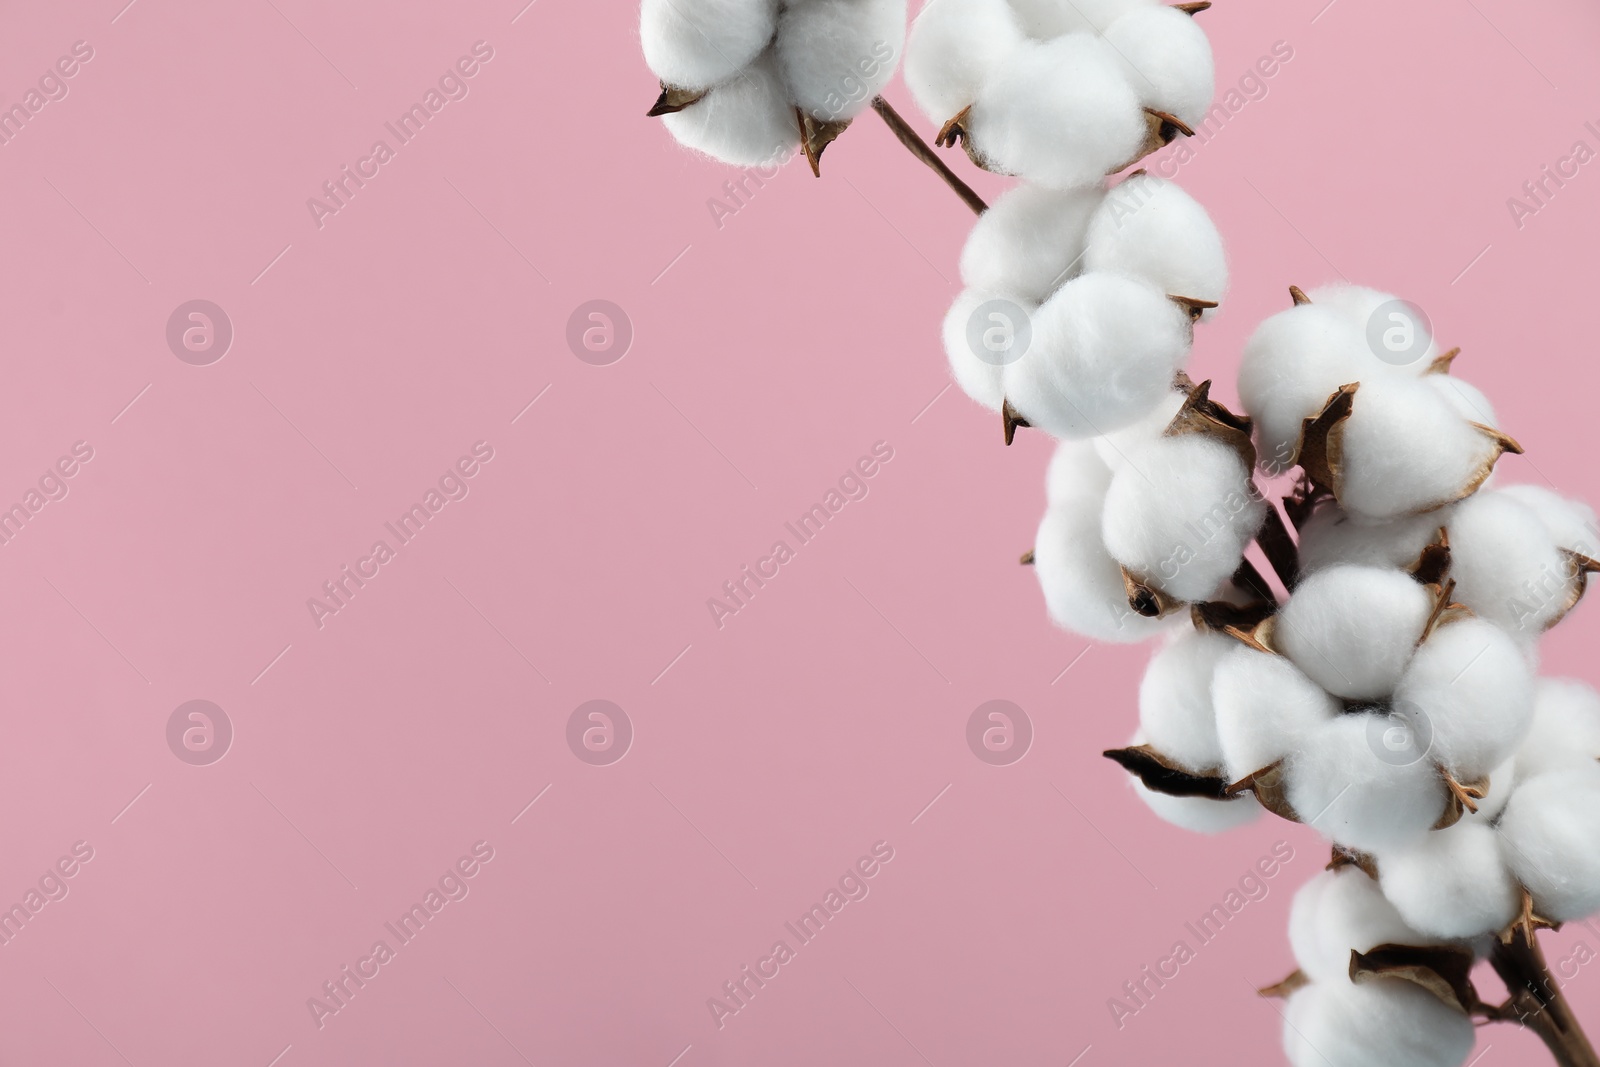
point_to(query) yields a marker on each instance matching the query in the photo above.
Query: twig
(1537, 1002)
(919, 148)
(1279, 548)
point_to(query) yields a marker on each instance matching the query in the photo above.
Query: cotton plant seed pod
(1167, 59)
(954, 44)
(1506, 566)
(1341, 785)
(836, 55)
(1352, 629)
(1452, 883)
(695, 44)
(1550, 838)
(1340, 911)
(1472, 684)
(1175, 713)
(1149, 228)
(746, 121)
(1115, 447)
(1030, 241)
(979, 334)
(1265, 709)
(1290, 366)
(1385, 1023)
(1199, 815)
(1180, 513)
(1103, 352)
(1565, 733)
(1571, 523)
(1332, 536)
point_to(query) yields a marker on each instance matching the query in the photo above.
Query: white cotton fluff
(1175, 713)
(1199, 815)
(1331, 536)
(1406, 449)
(1502, 781)
(1388, 1023)
(747, 121)
(1265, 709)
(1571, 523)
(836, 55)
(1030, 241)
(1358, 304)
(1452, 883)
(1103, 354)
(1076, 477)
(695, 44)
(954, 45)
(1115, 447)
(1291, 365)
(979, 378)
(1180, 513)
(1341, 911)
(1340, 787)
(1044, 19)
(1167, 59)
(1149, 228)
(1466, 399)
(1550, 837)
(1474, 686)
(1565, 733)
(1059, 113)
(1506, 567)
(1352, 629)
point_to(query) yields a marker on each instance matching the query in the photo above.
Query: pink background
(769, 354)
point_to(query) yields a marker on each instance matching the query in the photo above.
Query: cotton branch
(920, 148)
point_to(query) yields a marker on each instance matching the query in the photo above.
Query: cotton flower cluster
(748, 81)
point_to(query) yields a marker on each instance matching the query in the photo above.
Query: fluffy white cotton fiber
(1103, 354)
(1150, 229)
(1550, 837)
(1506, 567)
(1332, 536)
(1341, 911)
(1175, 713)
(1059, 113)
(1199, 815)
(1077, 477)
(1452, 883)
(1565, 733)
(979, 370)
(1180, 512)
(1571, 523)
(836, 55)
(1411, 334)
(1389, 1023)
(1265, 709)
(695, 44)
(747, 121)
(1167, 60)
(1030, 241)
(1291, 365)
(1340, 786)
(1473, 685)
(1465, 399)
(954, 45)
(1352, 629)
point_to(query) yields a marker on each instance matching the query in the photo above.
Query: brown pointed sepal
(1161, 775)
(1287, 988)
(1027, 558)
(1257, 636)
(673, 100)
(1200, 414)
(1161, 129)
(1192, 306)
(816, 135)
(1145, 599)
(1010, 420)
(1460, 798)
(1348, 857)
(955, 129)
(1298, 295)
(1271, 787)
(1441, 362)
(1218, 615)
(1526, 922)
(1194, 8)
(1443, 970)
(1322, 439)
(1433, 566)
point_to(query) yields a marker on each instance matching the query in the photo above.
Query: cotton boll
(1391, 1023)
(1175, 713)
(747, 121)
(1551, 840)
(1030, 240)
(1465, 399)
(1115, 447)
(1180, 513)
(1361, 306)
(1351, 629)
(1339, 911)
(1292, 364)
(1199, 815)
(1342, 788)
(1082, 584)
(1151, 229)
(1103, 354)
(1059, 113)
(1571, 523)
(954, 45)
(1265, 710)
(1405, 450)
(695, 44)
(836, 55)
(1452, 883)
(1472, 686)
(1331, 536)
(1077, 477)
(1565, 733)
(976, 368)
(1505, 565)
(1167, 59)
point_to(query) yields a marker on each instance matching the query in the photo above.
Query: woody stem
(920, 148)
(1538, 1003)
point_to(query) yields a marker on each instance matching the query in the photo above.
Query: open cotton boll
(1291, 365)
(954, 45)
(836, 55)
(1265, 709)
(978, 367)
(1199, 815)
(1406, 449)
(1505, 565)
(1466, 399)
(1077, 477)
(1352, 629)
(1565, 733)
(1082, 584)
(1149, 228)
(1452, 883)
(1167, 59)
(1571, 523)
(1409, 333)
(1339, 911)
(1341, 787)
(1175, 713)
(695, 44)
(1551, 840)
(1030, 240)
(1115, 447)
(1390, 1023)
(1180, 512)
(1331, 536)
(747, 121)
(1473, 687)
(1059, 113)
(1103, 354)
